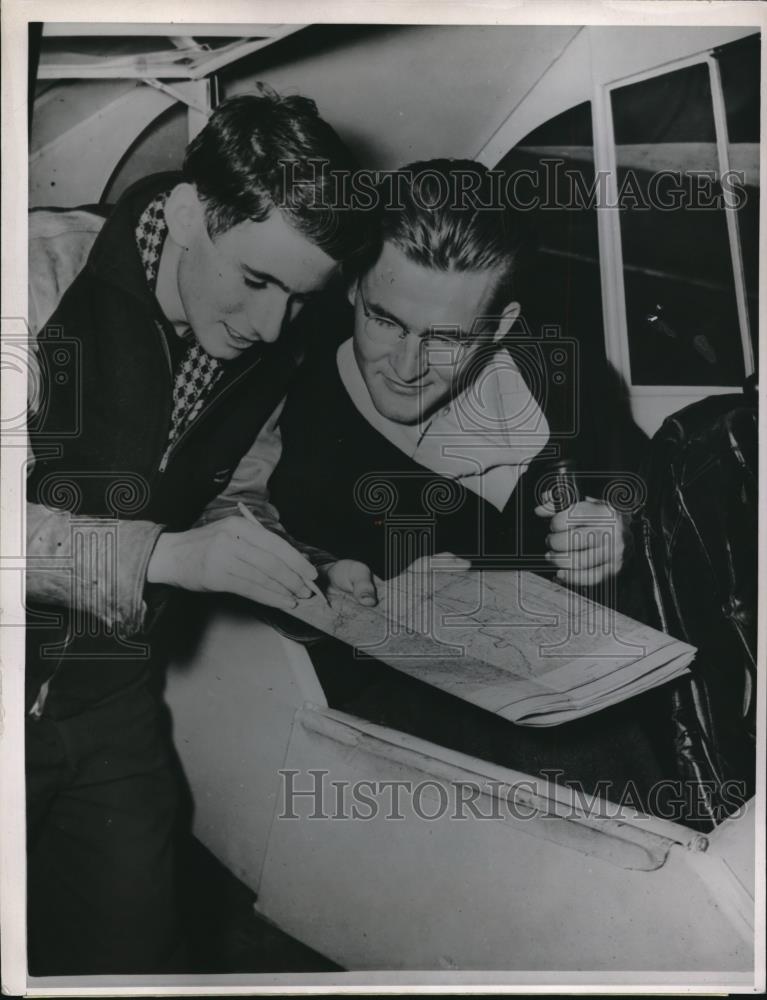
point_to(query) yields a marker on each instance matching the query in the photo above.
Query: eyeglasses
(387, 331)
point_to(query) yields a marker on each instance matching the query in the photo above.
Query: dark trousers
(102, 798)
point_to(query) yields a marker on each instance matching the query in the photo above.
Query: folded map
(512, 642)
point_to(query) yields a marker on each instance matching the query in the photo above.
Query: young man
(419, 435)
(177, 325)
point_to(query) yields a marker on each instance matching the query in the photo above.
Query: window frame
(611, 248)
(595, 58)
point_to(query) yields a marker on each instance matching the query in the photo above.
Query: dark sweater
(342, 486)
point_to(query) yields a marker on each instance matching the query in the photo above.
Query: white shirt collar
(486, 437)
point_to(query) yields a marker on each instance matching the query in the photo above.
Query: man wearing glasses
(419, 435)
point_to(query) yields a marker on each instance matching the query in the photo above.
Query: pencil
(250, 516)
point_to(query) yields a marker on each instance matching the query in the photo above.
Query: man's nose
(267, 316)
(409, 358)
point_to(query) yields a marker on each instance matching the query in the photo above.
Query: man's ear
(351, 290)
(509, 317)
(184, 214)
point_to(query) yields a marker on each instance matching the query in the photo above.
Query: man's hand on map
(418, 580)
(356, 579)
(588, 542)
(444, 561)
(351, 577)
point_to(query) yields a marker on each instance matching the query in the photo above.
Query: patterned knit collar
(151, 231)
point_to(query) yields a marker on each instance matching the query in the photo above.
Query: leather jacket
(699, 538)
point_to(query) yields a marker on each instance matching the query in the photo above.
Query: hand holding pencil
(347, 575)
(308, 579)
(236, 555)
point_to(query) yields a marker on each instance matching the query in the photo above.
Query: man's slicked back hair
(259, 152)
(445, 214)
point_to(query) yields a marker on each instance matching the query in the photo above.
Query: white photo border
(16, 15)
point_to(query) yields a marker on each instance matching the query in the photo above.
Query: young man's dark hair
(262, 151)
(179, 309)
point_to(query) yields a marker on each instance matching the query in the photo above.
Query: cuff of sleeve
(137, 540)
(320, 559)
(95, 565)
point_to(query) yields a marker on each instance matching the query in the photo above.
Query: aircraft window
(681, 306)
(551, 177)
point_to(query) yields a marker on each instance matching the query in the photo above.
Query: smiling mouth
(238, 338)
(405, 388)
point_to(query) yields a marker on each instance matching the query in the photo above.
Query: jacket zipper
(38, 707)
(205, 411)
(166, 350)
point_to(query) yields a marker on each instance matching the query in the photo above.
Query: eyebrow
(384, 313)
(251, 272)
(263, 276)
(423, 335)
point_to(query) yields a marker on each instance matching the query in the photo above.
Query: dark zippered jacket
(98, 436)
